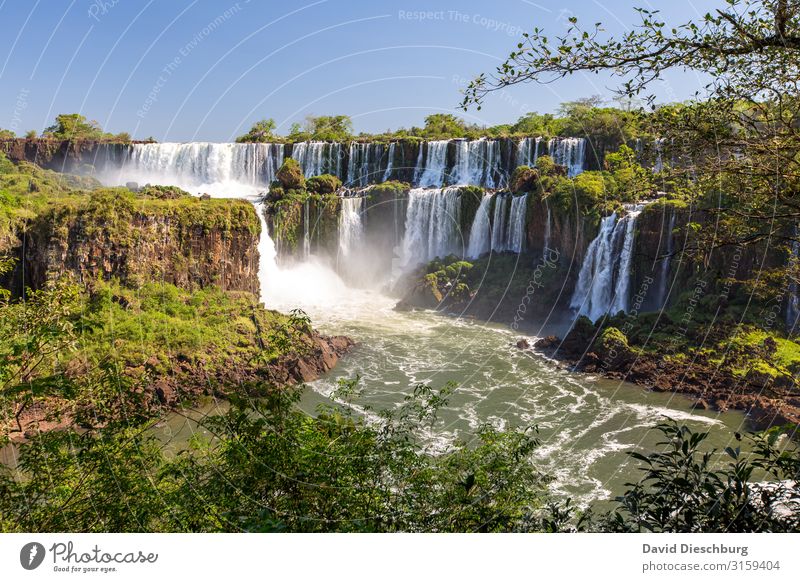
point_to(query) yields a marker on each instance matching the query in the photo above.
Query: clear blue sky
(205, 70)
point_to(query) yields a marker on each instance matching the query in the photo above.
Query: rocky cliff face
(669, 259)
(190, 243)
(63, 156)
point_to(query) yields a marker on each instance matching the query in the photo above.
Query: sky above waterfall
(205, 70)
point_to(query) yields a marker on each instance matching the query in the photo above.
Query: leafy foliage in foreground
(93, 356)
(270, 467)
(683, 491)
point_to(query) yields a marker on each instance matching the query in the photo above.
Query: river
(586, 423)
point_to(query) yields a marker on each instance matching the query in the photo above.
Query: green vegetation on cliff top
(28, 191)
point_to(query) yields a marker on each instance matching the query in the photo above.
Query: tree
(329, 127)
(536, 124)
(31, 134)
(261, 132)
(631, 182)
(749, 36)
(444, 126)
(71, 126)
(7, 134)
(34, 331)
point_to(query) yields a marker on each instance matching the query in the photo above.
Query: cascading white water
(351, 227)
(528, 151)
(499, 224)
(658, 145)
(318, 157)
(363, 163)
(432, 225)
(622, 292)
(435, 165)
(306, 229)
(547, 229)
(387, 175)
(300, 155)
(569, 152)
(492, 177)
(663, 278)
(517, 223)
(222, 170)
(267, 254)
(480, 234)
(591, 296)
(477, 162)
(604, 280)
(216, 168)
(461, 169)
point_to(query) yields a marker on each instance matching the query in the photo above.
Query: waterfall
(499, 225)
(363, 163)
(318, 157)
(418, 165)
(221, 169)
(590, 295)
(604, 280)
(622, 292)
(517, 223)
(300, 155)
(435, 165)
(663, 278)
(351, 228)
(461, 169)
(480, 234)
(507, 231)
(658, 145)
(306, 230)
(528, 151)
(493, 177)
(267, 254)
(475, 162)
(569, 152)
(433, 218)
(224, 170)
(523, 151)
(351, 179)
(547, 227)
(390, 163)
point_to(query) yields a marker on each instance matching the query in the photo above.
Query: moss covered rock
(524, 179)
(290, 175)
(323, 184)
(613, 348)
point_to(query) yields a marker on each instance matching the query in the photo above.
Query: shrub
(164, 192)
(687, 489)
(590, 187)
(524, 179)
(323, 184)
(290, 175)
(261, 131)
(545, 165)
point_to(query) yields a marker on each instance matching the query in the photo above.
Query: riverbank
(161, 348)
(714, 381)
